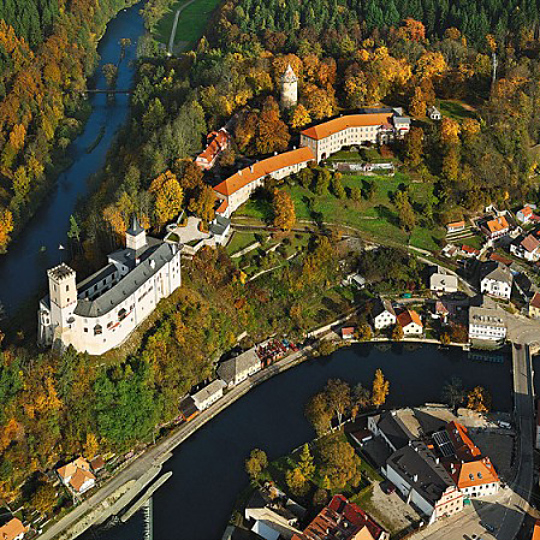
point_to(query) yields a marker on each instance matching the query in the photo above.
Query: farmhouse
(411, 323)
(496, 228)
(497, 282)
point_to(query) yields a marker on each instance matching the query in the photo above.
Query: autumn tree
(414, 147)
(300, 117)
(202, 203)
(364, 332)
(168, 197)
(339, 461)
(283, 207)
(296, 481)
(338, 397)
(380, 389)
(6, 228)
(272, 134)
(44, 497)
(305, 463)
(322, 182)
(397, 333)
(319, 413)
(407, 217)
(418, 105)
(479, 399)
(256, 463)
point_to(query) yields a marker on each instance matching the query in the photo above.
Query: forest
(346, 55)
(47, 49)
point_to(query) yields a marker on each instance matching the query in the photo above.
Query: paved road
(175, 24)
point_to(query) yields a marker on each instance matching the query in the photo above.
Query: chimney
(240, 172)
(415, 478)
(275, 153)
(437, 460)
(251, 168)
(152, 264)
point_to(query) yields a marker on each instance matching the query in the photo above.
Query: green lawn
(456, 110)
(191, 23)
(377, 218)
(239, 241)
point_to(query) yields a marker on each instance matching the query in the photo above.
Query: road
(175, 24)
(157, 455)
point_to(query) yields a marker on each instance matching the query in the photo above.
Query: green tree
(256, 463)
(319, 413)
(323, 182)
(305, 463)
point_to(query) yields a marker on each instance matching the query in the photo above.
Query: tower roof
(289, 76)
(135, 227)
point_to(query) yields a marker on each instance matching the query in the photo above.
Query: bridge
(87, 91)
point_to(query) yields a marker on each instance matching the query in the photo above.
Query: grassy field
(377, 218)
(239, 241)
(191, 23)
(456, 110)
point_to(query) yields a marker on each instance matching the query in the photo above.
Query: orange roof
(263, 168)
(455, 224)
(474, 473)
(465, 448)
(536, 530)
(12, 529)
(339, 124)
(497, 225)
(409, 316)
(79, 478)
(526, 211)
(219, 140)
(222, 207)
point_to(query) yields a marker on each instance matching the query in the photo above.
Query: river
(23, 268)
(208, 473)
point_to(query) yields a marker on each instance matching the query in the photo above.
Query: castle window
(86, 329)
(67, 287)
(122, 314)
(98, 330)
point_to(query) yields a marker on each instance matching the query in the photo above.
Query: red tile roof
(530, 243)
(263, 168)
(535, 301)
(536, 530)
(455, 224)
(497, 225)
(474, 473)
(469, 249)
(352, 120)
(409, 316)
(12, 529)
(465, 448)
(219, 142)
(499, 258)
(526, 211)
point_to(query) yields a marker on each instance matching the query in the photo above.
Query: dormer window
(98, 330)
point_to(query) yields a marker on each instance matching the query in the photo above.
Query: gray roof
(382, 305)
(208, 391)
(219, 225)
(394, 430)
(486, 316)
(152, 261)
(229, 369)
(500, 273)
(443, 280)
(135, 227)
(94, 279)
(418, 466)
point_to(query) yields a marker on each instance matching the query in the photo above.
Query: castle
(99, 313)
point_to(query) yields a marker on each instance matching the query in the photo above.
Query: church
(101, 311)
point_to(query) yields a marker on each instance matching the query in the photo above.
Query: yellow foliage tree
(6, 228)
(449, 131)
(168, 197)
(300, 117)
(478, 399)
(284, 213)
(380, 389)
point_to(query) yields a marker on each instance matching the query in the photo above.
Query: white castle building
(289, 88)
(99, 313)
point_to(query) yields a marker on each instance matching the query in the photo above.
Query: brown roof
(339, 124)
(530, 243)
(497, 225)
(97, 463)
(499, 258)
(409, 316)
(535, 301)
(263, 168)
(12, 529)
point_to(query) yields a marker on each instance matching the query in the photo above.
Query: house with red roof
(534, 306)
(525, 215)
(77, 475)
(411, 323)
(496, 228)
(13, 530)
(527, 248)
(217, 142)
(342, 520)
(455, 226)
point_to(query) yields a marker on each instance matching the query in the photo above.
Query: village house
(486, 324)
(411, 323)
(455, 227)
(525, 215)
(375, 126)
(239, 368)
(423, 481)
(527, 248)
(236, 190)
(440, 312)
(13, 530)
(342, 520)
(77, 475)
(217, 141)
(434, 113)
(496, 228)
(272, 514)
(383, 314)
(101, 312)
(209, 394)
(534, 306)
(497, 282)
(347, 332)
(468, 251)
(442, 281)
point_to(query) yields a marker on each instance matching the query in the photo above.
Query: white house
(371, 126)
(238, 369)
(411, 323)
(496, 228)
(525, 214)
(383, 314)
(442, 281)
(434, 113)
(209, 394)
(486, 324)
(236, 190)
(454, 227)
(498, 282)
(476, 478)
(101, 312)
(77, 475)
(527, 248)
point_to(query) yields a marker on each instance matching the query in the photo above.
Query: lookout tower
(289, 88)
(62, 294)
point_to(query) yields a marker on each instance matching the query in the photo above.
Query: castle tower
(289, 88)
(135, 235)
(62, 294)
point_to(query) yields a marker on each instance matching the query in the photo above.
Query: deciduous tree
(283, 207)
(380, 389)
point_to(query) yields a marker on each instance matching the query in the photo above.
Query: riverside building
(101, 312)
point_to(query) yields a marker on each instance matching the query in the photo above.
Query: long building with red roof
(342, 520)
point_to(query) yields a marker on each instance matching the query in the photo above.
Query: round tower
(289, 88)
